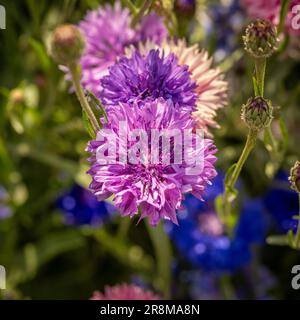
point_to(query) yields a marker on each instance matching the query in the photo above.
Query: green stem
(120, 250)
(250, 143)
(260, 70)
(283, 13)
(76, 75)
(163, 253)
(270, 138)
(227, 288)
(144, 8)
(123, 228)
(130, 6)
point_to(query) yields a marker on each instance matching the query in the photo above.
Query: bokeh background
(57, 241)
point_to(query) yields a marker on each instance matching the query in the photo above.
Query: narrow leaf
(278, 240)
(283, 13)
(229, 174)
(87, 125)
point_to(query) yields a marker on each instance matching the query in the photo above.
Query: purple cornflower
(107, 32)
(145, 78)
(154, 189)
(152, 29)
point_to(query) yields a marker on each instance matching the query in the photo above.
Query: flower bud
(295, 177)
(67, 44)
(17, 96)
(257, 113)
(260, 39)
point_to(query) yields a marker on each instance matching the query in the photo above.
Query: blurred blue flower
(282, 203)
(223, 25)
(200, 235)
(5, 211)
(81, 207)
(202, 285)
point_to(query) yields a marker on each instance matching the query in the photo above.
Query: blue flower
(81, 207)
(200, 235)
(5, 211)
(225, 21)
(202, 285)
(282, 203)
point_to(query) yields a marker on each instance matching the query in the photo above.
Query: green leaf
(271, 169)
(41, 54)
(219, 205)
(168, 4)
(291, 240)
(285, 135)
(16, 123)
(283, 13)
(46, 157)
(232, 192)
(58, 243)
(34, 256)
(277, 240)
(87, 125)
(96, 104)
(229, 174)
(267, 141)
(121, 249)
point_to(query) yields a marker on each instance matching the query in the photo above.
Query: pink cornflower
(124, 292)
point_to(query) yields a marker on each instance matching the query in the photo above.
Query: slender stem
(269, 135)
(283, 13)
(76, 74)
(119, 249)
(250, 143)
(163, 252)
(260, 70)
(144, 8)
(297, 237)
(227, 288)
(130, 5)
(124, 226)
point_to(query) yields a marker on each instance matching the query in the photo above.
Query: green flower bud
(67, 44)
(260, 39)
(295, 177)
(257, 113)
(17, 96)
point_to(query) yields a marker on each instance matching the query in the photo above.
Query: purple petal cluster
(146, 78)
(145, 92)
(156, 190)
(152, 29)
(107, 33)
